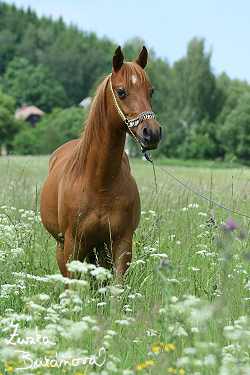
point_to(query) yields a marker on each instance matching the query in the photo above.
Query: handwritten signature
(39, 339)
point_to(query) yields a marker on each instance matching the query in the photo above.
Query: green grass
(184, 306)
(200, 163)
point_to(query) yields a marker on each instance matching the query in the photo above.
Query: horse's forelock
(133, 74)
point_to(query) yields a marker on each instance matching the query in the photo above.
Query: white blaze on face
(134, 79)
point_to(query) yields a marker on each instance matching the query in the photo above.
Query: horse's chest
(101, 214)
(95, 216)
(105, 217)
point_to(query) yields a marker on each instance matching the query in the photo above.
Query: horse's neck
(105, 157)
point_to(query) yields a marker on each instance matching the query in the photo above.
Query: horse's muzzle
(150, 138)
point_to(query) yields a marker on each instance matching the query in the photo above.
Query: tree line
(54, 66)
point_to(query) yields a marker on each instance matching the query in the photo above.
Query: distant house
(85, 103)
(29, 113)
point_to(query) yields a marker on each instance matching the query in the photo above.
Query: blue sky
(165, 25)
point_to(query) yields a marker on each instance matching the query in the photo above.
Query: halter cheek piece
(137, 120)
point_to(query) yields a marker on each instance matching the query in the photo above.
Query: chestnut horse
(90, 199)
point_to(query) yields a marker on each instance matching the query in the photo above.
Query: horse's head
(132, 92)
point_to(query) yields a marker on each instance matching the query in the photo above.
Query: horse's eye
(121, 92)
(152, 91)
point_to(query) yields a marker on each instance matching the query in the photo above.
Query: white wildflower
(35, 306)
(241, 320)
(151, 332)
(182, 361)
(159, 255)
(7, 289)
(194, 268)
(195, 330)
(115, 290)
(111, 366)
(228, 328)
(180, 331)
(198, 362)
(106, 344)
(172, 237)
(194, 205)
(114, 358)
(76, 299)
(66, 280)
(76, 309)
(140, 261)
(17, 251)
(202, 252)
(76, 265)
(43, 297)
(102, 290)
(210, 360)
(28, 276)
(247, 286)
(132, 296)
(110, 332)
(101, 273)
(75, 330)
(95, 328)
(88, 319)
(152, 212)
(190, 351)
(162, 310)
(173, 299)
(128, 309)
(123, 322)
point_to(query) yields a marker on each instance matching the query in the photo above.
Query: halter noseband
(137, 120)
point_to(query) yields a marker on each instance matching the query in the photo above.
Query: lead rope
(188, 187)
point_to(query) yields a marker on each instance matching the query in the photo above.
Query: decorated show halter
(137, 120)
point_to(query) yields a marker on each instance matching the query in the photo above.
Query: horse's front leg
(60, 258)
(122, 255)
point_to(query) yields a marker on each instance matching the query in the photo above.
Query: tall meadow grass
(183, 307)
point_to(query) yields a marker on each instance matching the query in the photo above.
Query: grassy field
(183, 308)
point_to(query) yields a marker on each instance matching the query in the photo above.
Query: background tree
(235, 132)
(52, 131)
(34, 85)
(194, 86)
(50, 64)
(8, 125)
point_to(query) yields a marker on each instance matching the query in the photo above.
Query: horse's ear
(118, 59)
(142, 59)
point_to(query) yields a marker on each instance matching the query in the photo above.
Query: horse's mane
(94, 123)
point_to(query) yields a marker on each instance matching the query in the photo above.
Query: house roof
(27, 110)
(85, 103)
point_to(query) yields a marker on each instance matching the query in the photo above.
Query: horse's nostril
(146, 134)
(160, 137)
